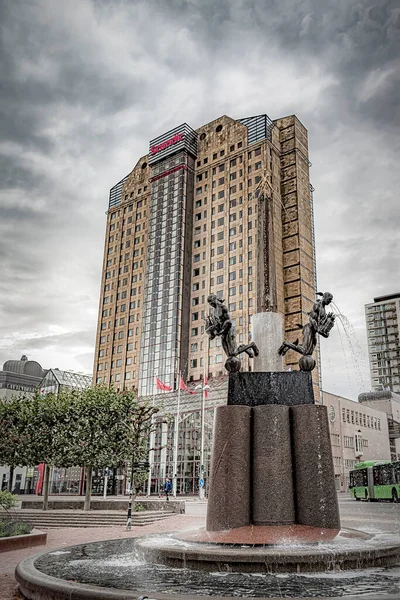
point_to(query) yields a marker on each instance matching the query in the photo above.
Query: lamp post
(129, 515)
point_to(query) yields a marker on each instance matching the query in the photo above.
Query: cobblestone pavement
(57, 538)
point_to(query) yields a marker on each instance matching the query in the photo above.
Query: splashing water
(358, 356)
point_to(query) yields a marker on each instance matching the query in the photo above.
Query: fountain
(272, 515)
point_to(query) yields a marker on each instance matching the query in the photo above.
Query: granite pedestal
(272, 461)
(229, 497)
(272, 482)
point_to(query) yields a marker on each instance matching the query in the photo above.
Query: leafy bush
(7, 500)
(9, 527)
(139, 507)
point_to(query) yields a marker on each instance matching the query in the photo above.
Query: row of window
(233, 161)
(356, 418)
(129, 208)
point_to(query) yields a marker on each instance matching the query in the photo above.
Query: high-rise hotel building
(223, 209)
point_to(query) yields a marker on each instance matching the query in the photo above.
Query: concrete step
(75, 518)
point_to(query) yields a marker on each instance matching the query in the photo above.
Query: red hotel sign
(178, 137)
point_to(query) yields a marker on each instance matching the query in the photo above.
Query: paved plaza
(369, 517)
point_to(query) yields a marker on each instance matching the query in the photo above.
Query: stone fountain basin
(306, 552)
(115, 569)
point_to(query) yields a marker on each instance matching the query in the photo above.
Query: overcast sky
(86, 83)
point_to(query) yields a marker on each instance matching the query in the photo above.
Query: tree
(138, 424)
(97, 414)
(14, 416)
(50, 433)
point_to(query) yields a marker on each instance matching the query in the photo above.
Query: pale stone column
(267, 333)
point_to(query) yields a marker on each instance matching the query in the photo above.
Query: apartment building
(383, 320)
(223, 209)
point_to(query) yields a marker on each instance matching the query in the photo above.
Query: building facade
(389, 403)
(223, 209)
(358, 432)
(383, 321)
(20, 376)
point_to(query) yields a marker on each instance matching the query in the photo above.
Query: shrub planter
(15, 542)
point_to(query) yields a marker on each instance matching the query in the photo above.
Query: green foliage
(9, 527)
(14, 438)
(94, 427)
(139, 507)
(7, 500)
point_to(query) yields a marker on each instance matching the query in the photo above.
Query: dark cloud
(85, 84)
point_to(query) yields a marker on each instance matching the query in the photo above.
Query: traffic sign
(201, 483)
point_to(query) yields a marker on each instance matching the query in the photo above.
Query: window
(221, 194)
(195, 316)
(220, 279)
(220, 221)
(196, 286)
(232, 291)
(220, 264)
(193, 363)
(195, 331)
(197, 216)
(196, 272)
(232, 276)
(193, 347)
(196, 258)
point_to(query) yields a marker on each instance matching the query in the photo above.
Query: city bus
(376, 480)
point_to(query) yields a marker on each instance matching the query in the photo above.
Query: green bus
(375, 480)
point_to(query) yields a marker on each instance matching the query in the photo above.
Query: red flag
(206, 387)
(183, 386)
(162, 386)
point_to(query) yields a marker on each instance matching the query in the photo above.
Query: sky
(84, 86)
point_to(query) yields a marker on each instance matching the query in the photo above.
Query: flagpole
(201, 487)
(175, 474)
(151, 452)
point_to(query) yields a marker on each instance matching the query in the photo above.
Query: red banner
(162, 386)
(183, 386)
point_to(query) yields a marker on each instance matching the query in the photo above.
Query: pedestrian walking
(167, 488)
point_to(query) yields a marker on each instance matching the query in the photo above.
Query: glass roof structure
(55, 379)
